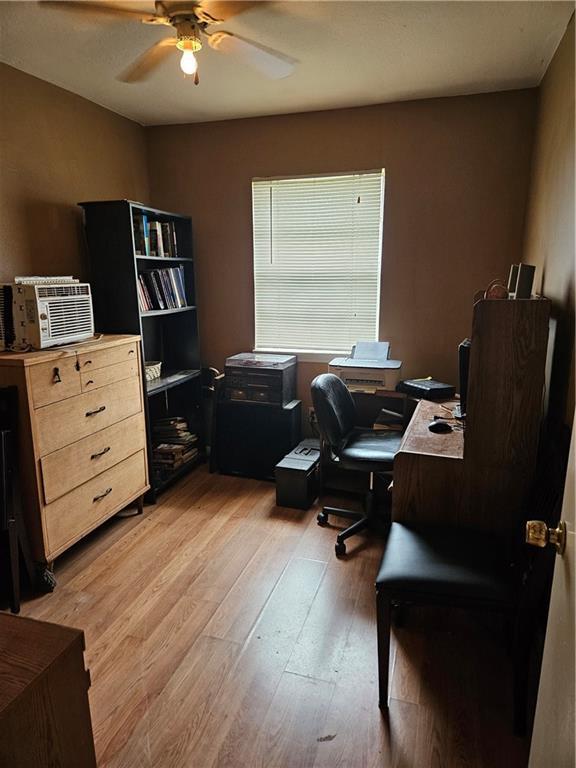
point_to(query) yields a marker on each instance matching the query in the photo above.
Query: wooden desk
(482, 478)
(44, 711)
(428, 471)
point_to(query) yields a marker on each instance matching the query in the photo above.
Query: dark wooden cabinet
(168, 335)
(44, 710)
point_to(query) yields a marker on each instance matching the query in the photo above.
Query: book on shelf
(163, 289)
(155, 238)
(141, 234)
(155, 234)
(167, 240)
(174, 445)
(174, 241)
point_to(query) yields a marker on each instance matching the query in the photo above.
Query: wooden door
(553, 739)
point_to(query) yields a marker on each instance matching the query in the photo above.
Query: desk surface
(418, 438)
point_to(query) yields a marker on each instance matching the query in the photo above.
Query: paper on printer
(368, 367)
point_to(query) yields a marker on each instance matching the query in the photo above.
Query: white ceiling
(349, 53)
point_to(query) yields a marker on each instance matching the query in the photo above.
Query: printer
(368, 367)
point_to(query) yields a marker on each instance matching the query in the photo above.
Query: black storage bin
(298, 476)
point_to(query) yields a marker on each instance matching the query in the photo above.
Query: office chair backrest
(334, 407)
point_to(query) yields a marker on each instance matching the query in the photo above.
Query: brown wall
(457, 173)
(58, 149)
(550, 223)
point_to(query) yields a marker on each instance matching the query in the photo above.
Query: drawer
(101, 376)
(53, 381)
(75, 464)
(63, 423)
(78, 512)
(100, 358)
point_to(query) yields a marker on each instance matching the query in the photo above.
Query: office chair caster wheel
(322, 518)
(340, 548)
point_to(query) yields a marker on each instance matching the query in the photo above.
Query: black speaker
(251, 438)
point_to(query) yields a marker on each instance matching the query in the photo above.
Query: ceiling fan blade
(268, 62)
(96, 9)
(148, 61)
(217, 12)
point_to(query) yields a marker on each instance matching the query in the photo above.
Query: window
(317, 256)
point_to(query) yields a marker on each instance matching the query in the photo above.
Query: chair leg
(356, 527)
(348, 514)
(383, 608)
(521, 670)
(14, 567)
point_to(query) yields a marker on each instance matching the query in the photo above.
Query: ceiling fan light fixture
(188, 63)
(188, 37)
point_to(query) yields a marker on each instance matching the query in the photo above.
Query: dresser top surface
(27, 649)
(103, 341)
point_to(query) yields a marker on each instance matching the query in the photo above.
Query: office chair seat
(438, 563)
(369, 450)
(458, 567)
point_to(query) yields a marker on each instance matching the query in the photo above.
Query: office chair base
(361, 520)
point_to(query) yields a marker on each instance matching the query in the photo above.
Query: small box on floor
(298, 476)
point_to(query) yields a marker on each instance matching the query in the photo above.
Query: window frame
(323, 356)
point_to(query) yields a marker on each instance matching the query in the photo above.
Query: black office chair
(427, 565)
(350, 447)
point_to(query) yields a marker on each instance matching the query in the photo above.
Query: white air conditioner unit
(45, 315)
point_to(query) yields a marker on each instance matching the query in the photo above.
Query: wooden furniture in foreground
(117, 260)
(482, 477)
(82, 441)
(44, 710)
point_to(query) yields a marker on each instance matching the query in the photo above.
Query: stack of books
(161, 289)
(154, 238)
(174, 446)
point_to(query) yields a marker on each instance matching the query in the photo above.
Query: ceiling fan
(192, 22)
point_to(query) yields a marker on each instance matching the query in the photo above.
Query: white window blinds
(317, 255)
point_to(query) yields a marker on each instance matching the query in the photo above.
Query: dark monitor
(463, 371)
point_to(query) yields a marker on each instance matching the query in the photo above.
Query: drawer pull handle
(100, 453)
(56, 377)
(96, 410)
(131, 352)
(102, 495)
(88, 362)
(90, 381)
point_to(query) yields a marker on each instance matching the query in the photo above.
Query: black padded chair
(426, 565)
(350, 447)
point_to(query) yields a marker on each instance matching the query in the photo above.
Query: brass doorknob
(539, 535)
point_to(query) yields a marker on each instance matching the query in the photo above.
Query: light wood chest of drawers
(81, 436)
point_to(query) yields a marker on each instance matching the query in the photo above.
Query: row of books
(161, 289)
(174, 446)
(154, 238)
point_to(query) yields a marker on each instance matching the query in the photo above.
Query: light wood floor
(222, 631)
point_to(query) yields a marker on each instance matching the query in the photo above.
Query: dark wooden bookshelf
(176, 475)
(164, 259)
(169, 335)
(169, 311)
(168, 380)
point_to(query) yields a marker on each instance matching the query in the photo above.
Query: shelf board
(155, 312)
(177, 474)
(170, 379)
(163, 258)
